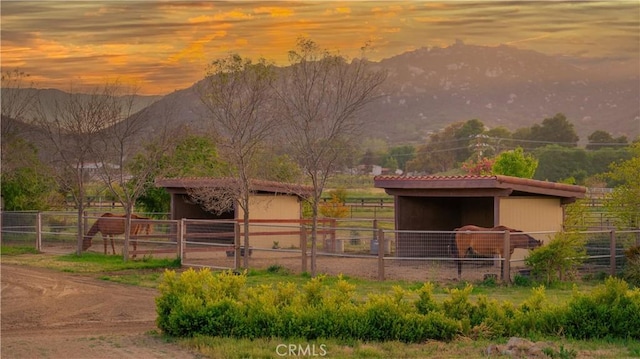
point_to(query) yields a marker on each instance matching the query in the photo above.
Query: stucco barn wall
(273, 207)
(533, 214)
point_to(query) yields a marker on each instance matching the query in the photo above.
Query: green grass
(147, 272)
(94, 262)
(227, 348)
(17, 250)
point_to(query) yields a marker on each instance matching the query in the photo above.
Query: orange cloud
(194, 51)
(274, 11)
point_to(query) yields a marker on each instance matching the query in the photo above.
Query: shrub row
(221, 304)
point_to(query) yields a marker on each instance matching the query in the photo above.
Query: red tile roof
(256, 185)
(480, 182)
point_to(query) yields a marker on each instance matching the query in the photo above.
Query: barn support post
(381, 247)
(39, 231)
(303, 247)
(506, 261)
(612, 247)
(236, 244)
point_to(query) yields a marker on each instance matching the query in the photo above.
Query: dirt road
(49, 314)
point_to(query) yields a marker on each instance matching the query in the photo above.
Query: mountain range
(430, 88)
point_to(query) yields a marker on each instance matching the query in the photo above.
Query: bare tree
(18, 96)
(18, 99)
(237, 95)
(320, 96)
(71, 128)
(127, 157)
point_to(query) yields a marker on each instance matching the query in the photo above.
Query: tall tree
(473, 132)
(191, 156)
(238, 96)
(499, 140)
(27, 183)
(603, 139)
(320, 95)
(554, 130)
(515, 163)
(128, 160)
(439, 153)
(624, 202)
(402, 155)
(558, 163)
(18, 100)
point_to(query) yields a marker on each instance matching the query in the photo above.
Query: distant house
(443, 203)
(270, 201)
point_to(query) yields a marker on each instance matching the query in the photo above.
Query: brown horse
(109, 225)
(476, 240)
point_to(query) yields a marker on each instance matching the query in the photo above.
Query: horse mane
(505, 228)
(93, 230)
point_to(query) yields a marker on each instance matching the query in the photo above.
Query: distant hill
(48, 98)
(430, 88)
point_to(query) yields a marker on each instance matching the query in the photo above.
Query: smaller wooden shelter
(270, 204)
(269, 199)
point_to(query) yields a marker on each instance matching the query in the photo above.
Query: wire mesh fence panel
(276, 259)
(274, 246)
(358, 266)
(154, 238)
(19, 229)
(351, 251)
(422, 256)
(59, 232)
(605, 251)
(209, 243)
(350, 248)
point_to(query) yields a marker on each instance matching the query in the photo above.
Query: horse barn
(270, 201)
(444, 203)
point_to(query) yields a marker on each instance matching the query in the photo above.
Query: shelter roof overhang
(475, 186)
(180, 185)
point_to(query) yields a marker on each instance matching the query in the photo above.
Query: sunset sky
(164, 46)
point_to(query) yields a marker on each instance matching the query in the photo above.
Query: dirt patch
(48, 314)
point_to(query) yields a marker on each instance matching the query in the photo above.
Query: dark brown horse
(474, 240)
(110, 225)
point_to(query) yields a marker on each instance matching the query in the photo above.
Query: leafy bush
(556, 260)
(204, 303)
(631, 271)
(610, 311)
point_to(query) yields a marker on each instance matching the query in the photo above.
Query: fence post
(303, 247)
(236, 244)
(381, 247)
(506, 261)
(39, 231)
(612, 246)
(180, 238)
